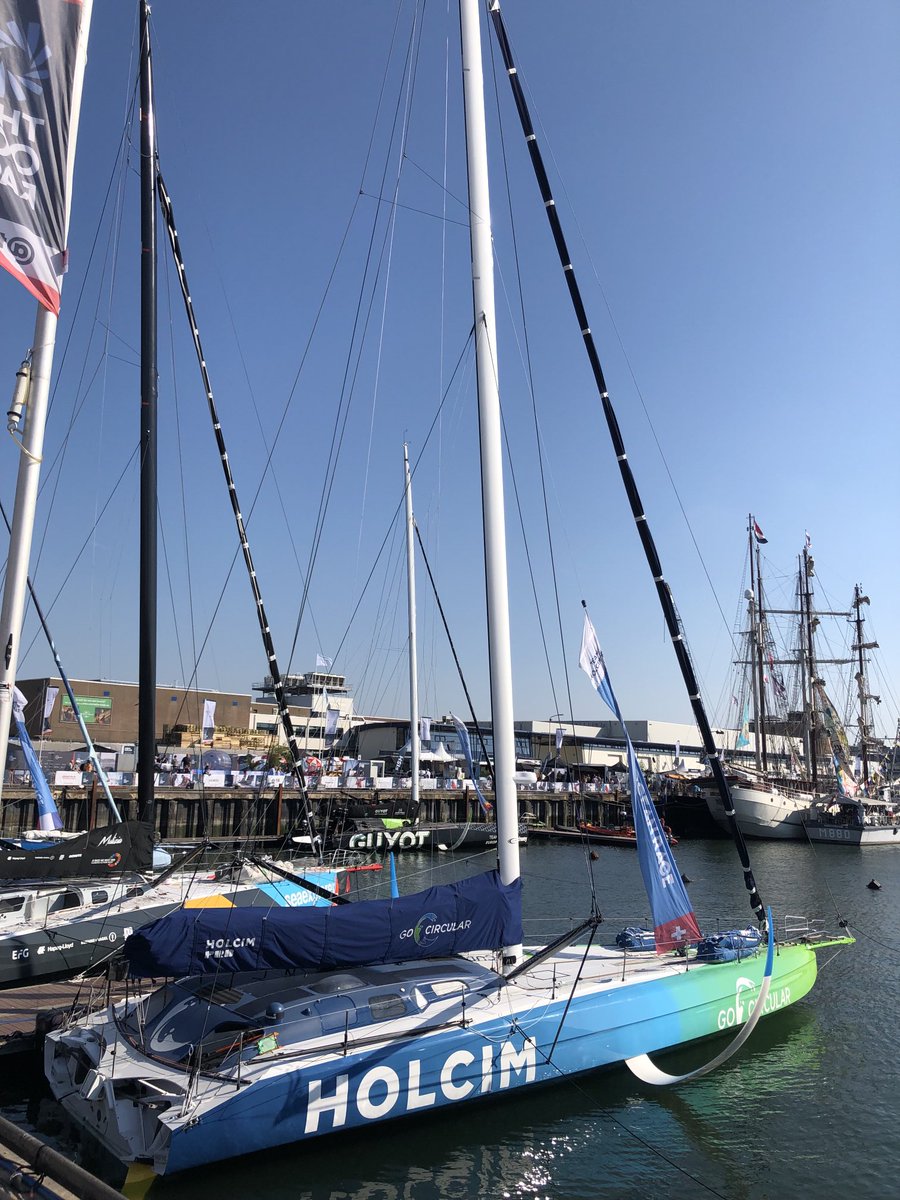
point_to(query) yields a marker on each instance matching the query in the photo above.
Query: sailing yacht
(281, 1027)
(56, 932)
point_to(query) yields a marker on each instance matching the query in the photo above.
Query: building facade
(110, 711)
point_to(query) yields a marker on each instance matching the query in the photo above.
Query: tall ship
(789, 728)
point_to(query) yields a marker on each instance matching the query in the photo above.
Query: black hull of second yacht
(475, 835)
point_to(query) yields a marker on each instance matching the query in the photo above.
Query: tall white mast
(411, 604)
(491, 446)
(12, 612)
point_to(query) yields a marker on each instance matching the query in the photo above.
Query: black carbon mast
(149, 393)
(673, 622)
(269, 645)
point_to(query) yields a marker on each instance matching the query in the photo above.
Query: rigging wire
(647, 1145)
(395, 564)
(537, 434)
(400, 502)
(176, 624)
(459, 669)
(664, 593)
(53, 471)
(390, 233)
(125, 470)
(584, 244)
(430, 628)
(277, 683)
(359, 326)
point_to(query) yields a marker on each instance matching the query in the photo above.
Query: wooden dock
(23, 1011)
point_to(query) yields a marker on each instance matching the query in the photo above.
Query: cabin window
(448, 987)
(386, 1006)
(219, 993)
(10, 904)
(336, 1014)
(99, 897)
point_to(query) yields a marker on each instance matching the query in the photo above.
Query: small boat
(852, 821)
(615, 834)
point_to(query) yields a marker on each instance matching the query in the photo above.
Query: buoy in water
(684, 878)
(873, 885)
(594, 856)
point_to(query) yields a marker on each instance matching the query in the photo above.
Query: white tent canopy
(440, 755)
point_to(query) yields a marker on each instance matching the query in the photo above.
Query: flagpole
(414, 744)
(12, 612)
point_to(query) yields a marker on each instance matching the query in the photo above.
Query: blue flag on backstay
(674, 923)
(48, 813)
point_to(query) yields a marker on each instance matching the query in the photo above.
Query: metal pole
(13, 607)
(13, 611)
(491, 449)
(149, 391)
(414, 743)
(762, 741)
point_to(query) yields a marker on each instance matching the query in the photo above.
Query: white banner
(209, 721)
(49, 700)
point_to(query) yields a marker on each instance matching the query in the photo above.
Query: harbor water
(809, 1107)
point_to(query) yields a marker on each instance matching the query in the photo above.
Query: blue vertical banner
(395, 886)
(463, 734)
(48, 813)
(674, 923)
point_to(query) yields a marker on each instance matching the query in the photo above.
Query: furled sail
(104, 852)
(480, 913)
(834, 728)
(674, 923)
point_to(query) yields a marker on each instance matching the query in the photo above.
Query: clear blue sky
(734, 173)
